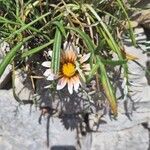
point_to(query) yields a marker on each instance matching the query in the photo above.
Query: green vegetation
(32, 27)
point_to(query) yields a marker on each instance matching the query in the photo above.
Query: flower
(72, 68)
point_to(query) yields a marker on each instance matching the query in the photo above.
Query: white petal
(86, 73)
(61, 83)
(50, 53)
(78, 50)
(46, 64)
(65, 45)
(85, 58)
(49, 74)
(69, 46)
(48, 86)
(70, 86)
(51, 77)
(86, 67)
(76, 83)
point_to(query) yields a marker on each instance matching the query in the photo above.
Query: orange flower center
(68, 69)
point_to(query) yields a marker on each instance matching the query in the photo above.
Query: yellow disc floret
(68, 69)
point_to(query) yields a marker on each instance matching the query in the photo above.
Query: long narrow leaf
(56, 51)
(59, 24)
(105, 29)
(9, 57)
(36, 50)
(107, 88)
(28, 25)
(111, 40)
(93, 71)
(90, 45)
(122, 5)
(113, 62)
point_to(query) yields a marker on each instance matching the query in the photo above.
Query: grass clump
(32, 28)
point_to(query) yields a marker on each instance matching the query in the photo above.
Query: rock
(22, 91)
(139, 86)
(19, 127)
(134, 138)
(142, 17)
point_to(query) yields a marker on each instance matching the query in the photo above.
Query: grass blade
(114, 62)
(56, 51)
(27, 25)
(9, 57)
(122, 5)
(107, 88)
(36, 50)
(59, 24)
(90, 45)
(114, 46)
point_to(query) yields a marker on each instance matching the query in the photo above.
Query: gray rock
(22, 91)
(135, 138)
(19, 127)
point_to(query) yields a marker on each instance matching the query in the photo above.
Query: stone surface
(22, 91)
(19, 127)
(134, 138)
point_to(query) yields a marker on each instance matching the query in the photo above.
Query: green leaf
(9, 57)
(93, 71)
(122, 5)
(90, 45)
(104, 28)
(24, 27)
(36, 50)
(107, 87)
(56, 51)
(114, 62)
(59, 24)
(109, 38)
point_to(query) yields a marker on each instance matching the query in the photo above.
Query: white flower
(72, 68)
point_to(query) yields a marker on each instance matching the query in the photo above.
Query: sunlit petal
(86, 73)
(70, 86)
(65, 45)
(86, 67)
(85, 58)
(70, 55)
(51, 77)
(49, 74)
(73, 56)
(76, 83)
(78, 50)
(48, 86)
(46, 64)
(50, 53)
(61, 83)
